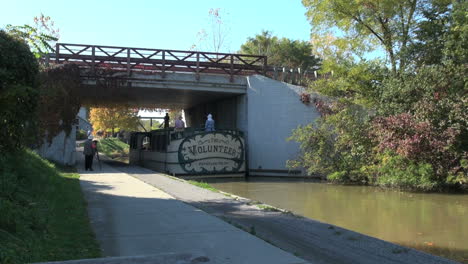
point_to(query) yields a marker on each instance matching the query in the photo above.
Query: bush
(81, 134)
(425, 119)
(337, 146)
(394, 170)
(18, 66)
(18, 92)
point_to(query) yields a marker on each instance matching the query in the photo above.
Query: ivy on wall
(59, 100)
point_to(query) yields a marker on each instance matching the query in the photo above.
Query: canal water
(435, 223)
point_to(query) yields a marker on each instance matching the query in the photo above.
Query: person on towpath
(89, 152)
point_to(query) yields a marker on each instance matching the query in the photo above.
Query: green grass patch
(43, 213)
(203, 185)
(113, 148)
(268, 208)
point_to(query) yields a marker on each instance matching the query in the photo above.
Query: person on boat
(209, 124)
(166, 121)
(179, 124)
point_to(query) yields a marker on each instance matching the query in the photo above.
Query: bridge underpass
(229, 86)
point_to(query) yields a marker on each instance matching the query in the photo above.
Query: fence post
(197, 76)
(93, 63)
(231, 72)
(57, 52)
(128, 62)
(129, 83)
(163, 64)
(299, 76)
(47, 59)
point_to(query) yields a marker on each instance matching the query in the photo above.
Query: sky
(170, 24)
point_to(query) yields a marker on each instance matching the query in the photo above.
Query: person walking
(209, 124)
(89, 152)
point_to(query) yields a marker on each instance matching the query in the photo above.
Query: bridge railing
(142, 60)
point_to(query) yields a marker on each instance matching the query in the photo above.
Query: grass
(43, 213)
(268, 208)
(113, 148)
(203, 185)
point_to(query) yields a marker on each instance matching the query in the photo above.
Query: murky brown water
(435, 223)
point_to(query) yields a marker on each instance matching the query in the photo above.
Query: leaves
(111, 119)
(388, 25)
(281, 52)
(39, 37)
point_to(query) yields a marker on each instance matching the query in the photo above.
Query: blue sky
(159, 24)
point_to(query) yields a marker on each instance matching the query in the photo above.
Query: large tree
(389, 25)
(281, 51)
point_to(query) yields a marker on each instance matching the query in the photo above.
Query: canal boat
(190, 153)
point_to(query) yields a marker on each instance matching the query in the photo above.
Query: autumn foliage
(113, 119)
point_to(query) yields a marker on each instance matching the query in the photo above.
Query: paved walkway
(133, 218)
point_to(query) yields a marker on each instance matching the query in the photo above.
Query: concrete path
(132, 218)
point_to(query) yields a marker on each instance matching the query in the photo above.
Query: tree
(38, 36)
(456, 46)
(110, 119)
(261, 44)
(281, 52)
(387, 24)
(416, 131)
(214, 38)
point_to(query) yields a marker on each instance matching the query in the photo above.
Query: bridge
(239, 90)
(151, 61)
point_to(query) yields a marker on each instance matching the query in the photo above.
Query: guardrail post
(163, 64)
(197, 76)
(128, 62)
(47, 59)
(299, 76)
(265, 65)
(129, 84)
(57, 52)
(231, 72)
(93, 63)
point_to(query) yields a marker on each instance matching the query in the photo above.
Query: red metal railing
(140, 60)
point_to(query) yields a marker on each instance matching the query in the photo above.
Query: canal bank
(435, 223)
(311, 240)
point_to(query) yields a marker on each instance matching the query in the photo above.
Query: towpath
(133, 218)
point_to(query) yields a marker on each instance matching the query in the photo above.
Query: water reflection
(435, 223)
